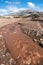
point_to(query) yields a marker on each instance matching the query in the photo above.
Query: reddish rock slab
(19, 44)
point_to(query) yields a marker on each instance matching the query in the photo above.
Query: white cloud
(3, 12)
(9, 2)
(16, 2)
(10, 9)
(13, 9)
(31, 5)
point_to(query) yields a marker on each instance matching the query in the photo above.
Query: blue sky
(11, 6)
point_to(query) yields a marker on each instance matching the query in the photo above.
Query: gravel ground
(5, 56)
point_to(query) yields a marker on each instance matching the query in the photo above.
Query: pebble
(1, 36)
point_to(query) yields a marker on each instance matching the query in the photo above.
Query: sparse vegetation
(35, 17)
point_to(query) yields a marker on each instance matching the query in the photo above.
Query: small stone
(3, 55)
(11, 61)
(29, 61)
(14, 62)
(38, 54)
(1, 36)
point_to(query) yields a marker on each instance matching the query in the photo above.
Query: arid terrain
(4, 21)
(17, 44)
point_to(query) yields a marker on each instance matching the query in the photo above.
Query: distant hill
(25, 13)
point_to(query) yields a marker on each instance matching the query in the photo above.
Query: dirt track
(20, 44)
